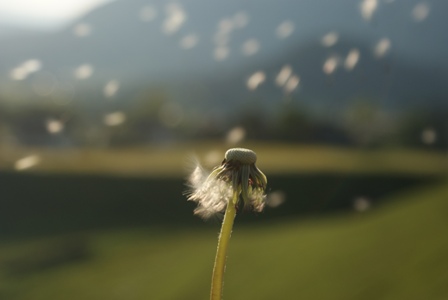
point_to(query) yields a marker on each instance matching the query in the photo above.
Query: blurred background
(106, 106)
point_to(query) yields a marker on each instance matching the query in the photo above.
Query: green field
(397, 251)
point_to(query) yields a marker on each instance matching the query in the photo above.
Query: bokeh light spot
(114, 118)
(54, 126)
(84, 71)
(189, 41)
(24, 69)
(251, 47)
(382, 47)
(27, 162)
(292, 83)
(285, 29)
(235, 135)
(175, 18)
(275, 199)
(82, 30)
(18, 73)
(225, 25)
(32, 65)
(283, 75)
(111, 88)
(221, 53)
(330, 39)
(368, 8)
(420, 12)
(330, 65)
(361, 204)
(255, 80)
(352, 59)
(429, 136)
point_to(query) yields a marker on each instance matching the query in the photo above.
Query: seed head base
(241, 155)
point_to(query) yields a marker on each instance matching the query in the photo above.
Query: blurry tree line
(152, 117)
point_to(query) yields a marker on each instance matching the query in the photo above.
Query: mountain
(7, 31)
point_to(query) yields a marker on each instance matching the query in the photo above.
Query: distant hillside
(203, 54)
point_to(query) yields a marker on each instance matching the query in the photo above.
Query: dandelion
(237, 181)
(236, 174)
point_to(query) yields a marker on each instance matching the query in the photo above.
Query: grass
(397, 251)
(171, 160)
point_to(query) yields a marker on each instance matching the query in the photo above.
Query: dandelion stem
(221, 253)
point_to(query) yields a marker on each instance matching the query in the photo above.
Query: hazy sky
(44, 14)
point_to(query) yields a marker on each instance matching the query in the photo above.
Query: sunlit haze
(45, 14)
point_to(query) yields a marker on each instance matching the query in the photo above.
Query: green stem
(221, 253)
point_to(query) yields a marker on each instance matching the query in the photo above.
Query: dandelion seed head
(236, 174)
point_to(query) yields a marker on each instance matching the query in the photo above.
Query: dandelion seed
(429, 136)
(221, 53)
(361, 204)
(251, 47)
(54, 126)
(235, 135)
(285, 29)
(82, 30)
(175, 19)
(330, 65)
(189, 41)
(420, 12)
(292, 84)
(83, 71)
(283, 75)
(352, 59)
(18, 74)
(114, 118)
(27, 162)
(255, 80)
(382, 47)
(111, 88)
(330, 39)
(368, 8)
(32, 65)
(275, 199)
